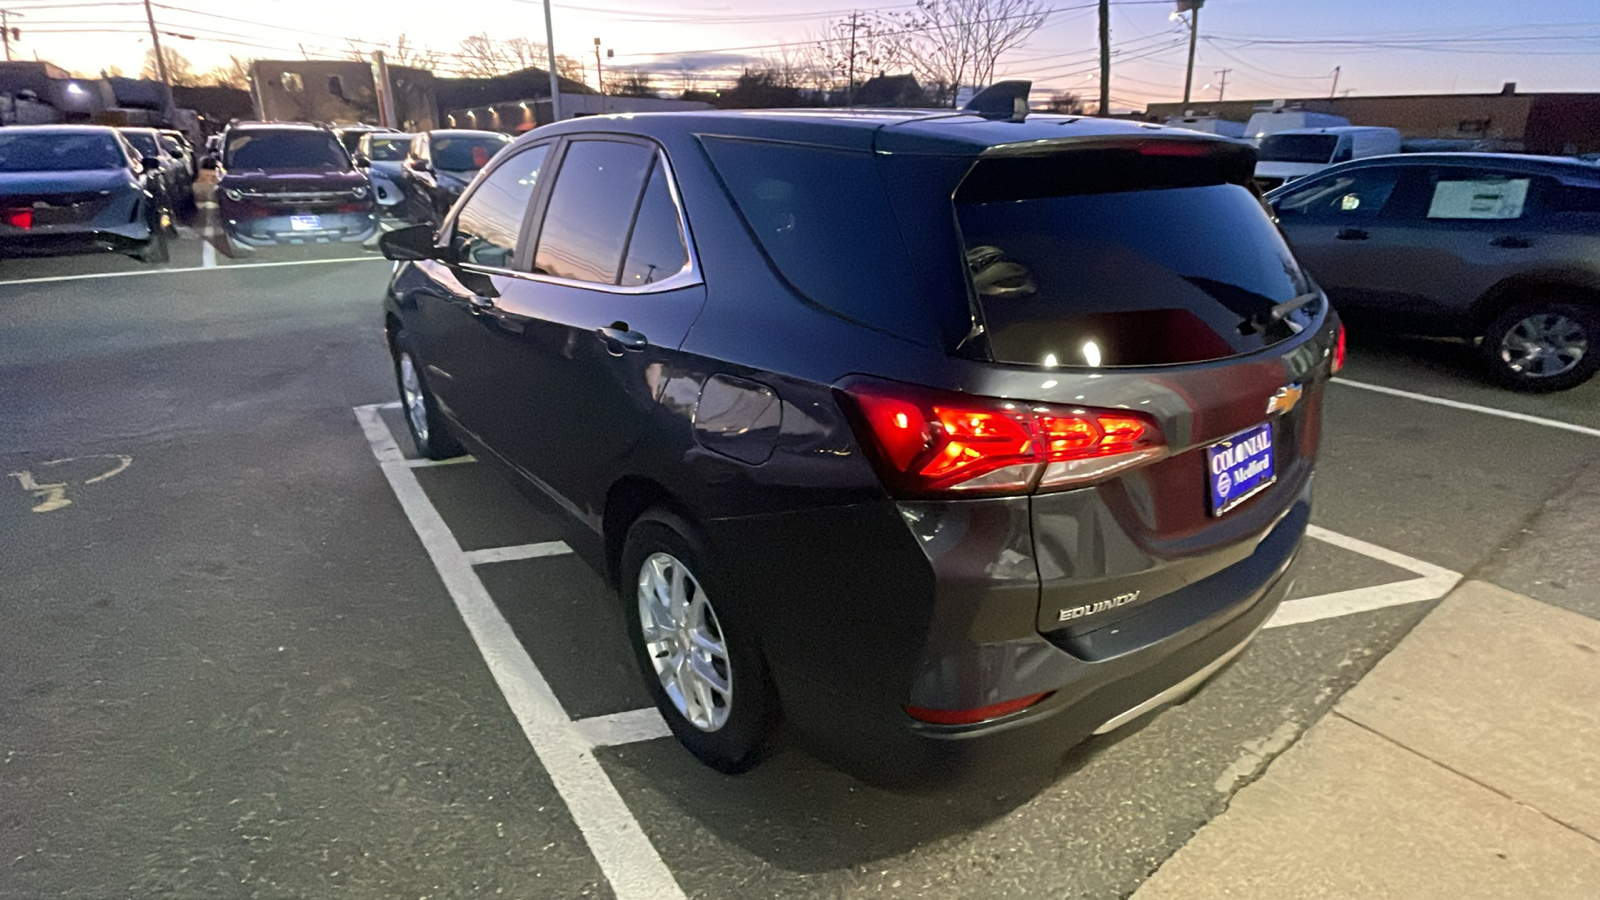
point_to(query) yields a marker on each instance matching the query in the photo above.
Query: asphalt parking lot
(255, 648)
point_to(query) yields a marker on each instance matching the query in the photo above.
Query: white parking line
(629, 727)
(208, 255)
(266, 265)
(430, 463)
(1472, 407)
(621, 848)
(520, 551)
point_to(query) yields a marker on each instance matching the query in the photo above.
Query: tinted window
(591, 209)
(267, 149)
(1349, 195)
(466, 154)
(656, 250)
(491, 220)
(1128, 277)
(142, 141)
(1297, 148)
(823, 219)
(1581, 199)
(58, 152)
(389, 149)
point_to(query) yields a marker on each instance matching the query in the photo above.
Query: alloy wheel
(411, 395)
(1544, 345)
(685, 642)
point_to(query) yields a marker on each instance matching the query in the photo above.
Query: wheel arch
(1579, 285)
(628, 499)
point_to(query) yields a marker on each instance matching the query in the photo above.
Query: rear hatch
(1145, 276)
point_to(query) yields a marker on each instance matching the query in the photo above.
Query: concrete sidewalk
(1465, 765)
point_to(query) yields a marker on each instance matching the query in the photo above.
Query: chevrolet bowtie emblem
(1285, 399)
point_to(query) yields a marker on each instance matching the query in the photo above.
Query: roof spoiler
(1003, 100)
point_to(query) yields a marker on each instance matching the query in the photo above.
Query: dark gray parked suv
(948, 439)
(1486, 246)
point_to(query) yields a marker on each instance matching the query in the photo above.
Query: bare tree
(179, 70)
(958, 42)
(633, 84)
(863, 45)
(1067, 103)
(236, 74)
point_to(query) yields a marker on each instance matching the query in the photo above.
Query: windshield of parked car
(143, 141)
(466, 153)
(269, 149)
(173, 145)
(390, 149)
(1297, 148)
(58, 152)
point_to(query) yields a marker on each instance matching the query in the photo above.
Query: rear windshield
(389, 149)
(303, 150)
(142, 141)
(59, 152)
(1084, 260)
(457, 153)
(1297, 148)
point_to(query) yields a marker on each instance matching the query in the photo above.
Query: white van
(1282, 118)
(1287, 155)
(1207, 124)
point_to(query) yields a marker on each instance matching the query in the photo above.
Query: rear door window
(491, 220)
(1457, 194)
(1102, 259)
(591, 209)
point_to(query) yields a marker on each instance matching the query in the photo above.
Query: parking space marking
(265, 265)
(619, 845)
(628, 727)
(430, 463)
(208, 255)
(520, 551)
(1472, 407)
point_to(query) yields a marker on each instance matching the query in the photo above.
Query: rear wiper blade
(1276, 313)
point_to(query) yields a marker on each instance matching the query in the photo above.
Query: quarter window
(488, 226)
(591, 210)
(656, 251)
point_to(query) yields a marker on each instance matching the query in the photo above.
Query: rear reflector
(1338, 350)
(934, 442)
(973, 716)
(19, 218)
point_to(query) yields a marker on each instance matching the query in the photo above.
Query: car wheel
(698, 658)
(428, 429)
(155, 250)
(1544, 345)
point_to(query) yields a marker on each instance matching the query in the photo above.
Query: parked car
(1286, 155)
(1496, 248)
(350, 135)
(386, 152)
(288, 183)
(438, 166)
(952, 440)
(178, 146)
(173, 175)
(79, 188)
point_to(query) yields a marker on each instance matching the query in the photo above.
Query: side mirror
(411, 243)
(150, 162)
(208, 162)
(361, 161)
(422, 165)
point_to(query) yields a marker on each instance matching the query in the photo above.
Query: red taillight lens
(1338, 350)
(973, 716)
(929, 442)
(19, 218)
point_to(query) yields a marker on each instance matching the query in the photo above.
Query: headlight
(233, 194)
(358, 191)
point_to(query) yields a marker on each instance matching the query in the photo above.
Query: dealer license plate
(305, 223)
(1240, 467)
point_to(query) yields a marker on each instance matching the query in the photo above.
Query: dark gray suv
(949, 439)
(1486, 246)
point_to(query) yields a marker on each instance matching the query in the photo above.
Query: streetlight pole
(555, 82)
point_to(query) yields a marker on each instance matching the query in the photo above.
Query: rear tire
(1546, 344)
(429, 430)
(156, 250)
(724, 716)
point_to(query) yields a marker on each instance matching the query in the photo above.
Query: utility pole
(386, 114)
(599, 79)
(1222, 84)
(1105, 58)
(850, 79)
(555, 82)
(161, 60)
(1193, 8)
(1331, 91)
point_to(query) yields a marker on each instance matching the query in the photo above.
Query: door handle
(618, 338)
(1352, 234)
(1511, 242)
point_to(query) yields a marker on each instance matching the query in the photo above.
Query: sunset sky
(1382, 46)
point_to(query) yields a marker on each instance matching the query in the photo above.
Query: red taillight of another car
(19, 218)
(925, 442)
(1338, 350)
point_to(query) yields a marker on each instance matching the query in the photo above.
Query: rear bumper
(942, 612)
(57, 240)
(273, 231)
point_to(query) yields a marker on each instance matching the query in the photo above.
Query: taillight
(973, 716)
(1338, 350)
(20, 218)
(931, 442)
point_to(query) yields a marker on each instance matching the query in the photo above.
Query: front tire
(700, 662)
(1544, 345)
(429, 431)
